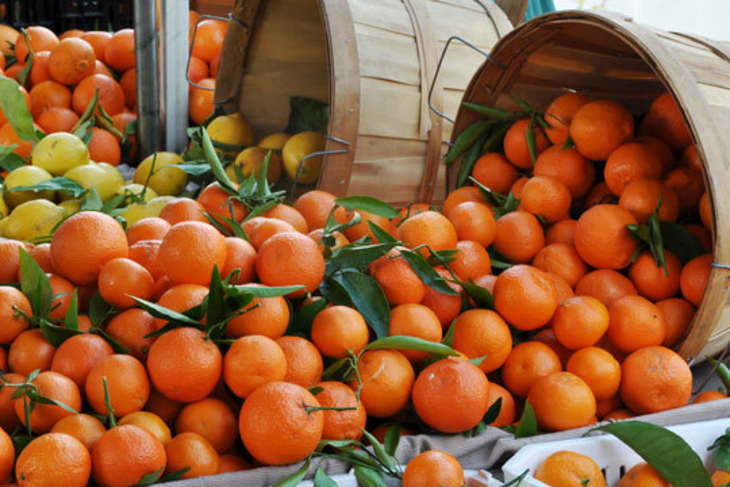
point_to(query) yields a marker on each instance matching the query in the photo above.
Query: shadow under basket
(610, 57)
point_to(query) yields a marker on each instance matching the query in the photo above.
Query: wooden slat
(403, 176)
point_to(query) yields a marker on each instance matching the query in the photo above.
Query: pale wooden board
(387, 55)
(403, 176)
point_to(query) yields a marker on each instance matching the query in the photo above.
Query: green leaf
(469, 160)
(71, 320)
(53, 402)
(664, 450)
(379, 450)
(35, 285)
(215, 163)
(368, 297)
(442, 257)
(176, 475)
(294, 479)
(680, 241)
(118, 347)
(448, 339)
(92, 202)
(481, 296)
(262, 291)
(568, 144)
(16, 111)
(528, 423)
(720, 449)
(467, 138)
(112, 203)
(321, 479)
(356, 256)
(391, 440)
(493, 412)
(426, 273)
(315, 390)
(491, 112)
(307, 114)
(333, 371)
(99, 310)
(55, 334)
(194, 169)
(494, 142)
(403, 342)
(151, 478)
(381, 235)
(530, 139)
(302, 322)
(9, 160)
(64, 185)
(216, 298)
(369, 204)
(477, 360)
(164, 313)
(369, 477)
(522, 103)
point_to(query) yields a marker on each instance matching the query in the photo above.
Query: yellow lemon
(32, 219)
(164, 180)
(136, 211)
(26, 176)
(250, 161)
(230, 130)
(71, 206)
(102, 176)
(274, 141)
(136, 189)
(298, 147)
(3, 206)
(59, 152)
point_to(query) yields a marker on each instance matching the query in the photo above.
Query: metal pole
(145, 48)
(173, 63)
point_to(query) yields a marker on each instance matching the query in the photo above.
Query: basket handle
(190, 51)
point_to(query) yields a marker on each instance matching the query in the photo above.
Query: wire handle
(192, 43)
(344, 150)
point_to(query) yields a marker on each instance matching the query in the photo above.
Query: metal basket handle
(192, 43)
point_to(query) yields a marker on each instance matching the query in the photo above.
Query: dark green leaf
(35, 285)
(151, 478)
(215, 164)
(302, 322)
(164, 313)
(369, 204)
(92, 202)
(469, 160)
(720, 449)
(118, 347)
(664, 450)
(528, 423)
(368, 477)
(295, 478)
(307, 114)
(356, 256)
(64, 185)
(379, 450)
(262, 291)
(467, 138)
(442, 257)
(391, 440)
(403, 342)
(55, 334)
(71, 320)
(448, 339)
(568, 144)
(493, 412)
(380, 234)
(9, 160)
(16, 111)
(216, 298)
(99, 310)
(53, 402)
(315, 390)
(481, 296)
(176, 475)
(491, 112)
(494, 142)
(334, 369)
(681, 242)
(426, 273)
(530, 139)
(368, 297)
(321, 479)
(522, 103)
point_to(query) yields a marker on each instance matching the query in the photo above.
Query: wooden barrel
(611, 57)
(372, 61)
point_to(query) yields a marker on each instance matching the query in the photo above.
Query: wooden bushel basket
(372, 61)
(606, 56)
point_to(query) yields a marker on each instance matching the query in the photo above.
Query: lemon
(33, 219)
(250, 161)
(26, 176)
(3, 222)
(274, 141)
(230, 130)
(3, 206)
(71, 206)
(102, 176)
(299, 146)
(136, 211)
(136, 189)
(59, 152)
(164, 180)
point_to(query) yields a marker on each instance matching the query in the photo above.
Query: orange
(190, 250)
(493, 171)
(181, 210)
(232, 463)
(184, 365)
(562, 401)
(709, 396)
(41, 253)
(399, 281)
(418, 321)
(525, 297)
(200, 101)
(10, 260)
(602, 239)
(487, 282)
(460, 195)
(128, 83)
(30, 351)
(8, 35)
(266, 316)
(526, 363)
(119, 50)
(39, 71)
(688, 185)
(111, 95)
(57, 119)
(165, 408)
(212, 419)
(433, 468)
(275, 425)
(666, 122)
(651, 280)
(339, 329)
(606, 406)
(605, 285)
(125, 454)
(41, 39)
(181, 298)
(290, 215)
(546, 197)
(361, 229)
(190, 450)
(471, 260)
(515, 143)
(599, 195)
(483, 333)
(104, 147)
(660, 148)
(519, 185)
(519, 236)
(314, 206)
(580, 322)
(149, 421)
(127, 381)
(289, 259)
(76, 356)
(387, 377)
(706, 211)
(451, 395)
(691, 158)
(641, 198)
(263, 228)
(214, 63)
(446, 306)
(208, 40)
(561, 259)
(129, 328)
(63, 289)
(216, 202)
(474, 221)
(507, 408)
(599, 127)
(340, 239)
(11, 299)
(71, 33)
(241, 256)
(85, 242)
(559, 114)
(428, 228)
(198, 70)
(720, 477)
(121, 279)
(341, 425)
(303, 361)
(54, 459)
(635, 323)
(100, 68)
(8, 419)
(98, 39)
(694, 278)
(84, 427)
(251, 362)
(47, 94)
(547, 336)
(569, 167)
(151, 228)
(72, 60)
(54, 386)
(678, 314)
(628, 163)
(13, 72)
(642, 475)
(570, 469)
(598, 368)
(655, 379)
